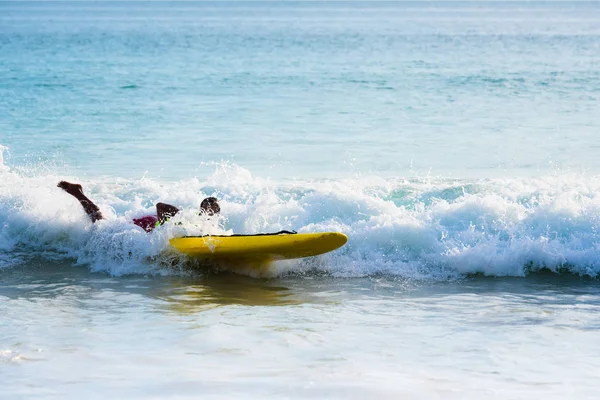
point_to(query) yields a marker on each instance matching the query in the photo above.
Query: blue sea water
(453, 142)
(315, 89)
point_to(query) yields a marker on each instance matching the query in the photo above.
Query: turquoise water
(453, 142)
(302, 89)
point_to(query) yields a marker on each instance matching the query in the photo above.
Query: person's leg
(165, 211)
(76, 191)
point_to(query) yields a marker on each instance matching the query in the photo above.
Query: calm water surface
(74, 333)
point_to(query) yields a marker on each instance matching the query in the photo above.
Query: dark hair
(210, 203)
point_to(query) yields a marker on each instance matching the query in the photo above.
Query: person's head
(210, 206)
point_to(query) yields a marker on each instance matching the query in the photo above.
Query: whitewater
(428, 228)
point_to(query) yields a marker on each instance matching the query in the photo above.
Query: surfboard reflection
(230, 289)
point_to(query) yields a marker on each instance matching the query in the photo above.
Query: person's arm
(165, 211)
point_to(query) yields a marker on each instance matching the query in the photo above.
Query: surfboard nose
(337, 239)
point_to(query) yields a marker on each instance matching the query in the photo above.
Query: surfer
(209, 206)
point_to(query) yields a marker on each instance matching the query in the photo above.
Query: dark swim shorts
(147, 222)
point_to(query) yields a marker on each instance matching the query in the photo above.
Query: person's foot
(73, 189)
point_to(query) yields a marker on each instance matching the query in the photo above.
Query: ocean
(453, 142)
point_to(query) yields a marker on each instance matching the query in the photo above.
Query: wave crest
(420, 228)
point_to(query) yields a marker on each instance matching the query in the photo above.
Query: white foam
(421, 229)
(2, 148)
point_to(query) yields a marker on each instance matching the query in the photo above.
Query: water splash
(420, 228)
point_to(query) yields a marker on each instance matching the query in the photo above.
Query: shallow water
(454, 143)
(74, 333)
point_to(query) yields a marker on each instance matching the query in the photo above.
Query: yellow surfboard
(259, 248)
